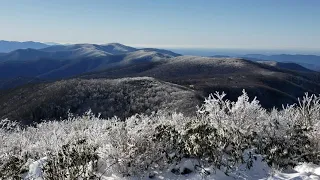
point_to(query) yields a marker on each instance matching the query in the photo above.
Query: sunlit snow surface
(260, 170)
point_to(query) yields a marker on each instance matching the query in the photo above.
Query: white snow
(119, 47)
(120, 143)
(303, 171)
(260, 170)
(35, 169)
(140, 54)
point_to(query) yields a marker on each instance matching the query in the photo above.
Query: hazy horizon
(203, 51)
(233, 24)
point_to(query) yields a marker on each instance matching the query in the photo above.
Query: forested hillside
(119, 97)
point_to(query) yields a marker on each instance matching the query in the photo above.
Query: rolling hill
(119, 97)
(274, 86)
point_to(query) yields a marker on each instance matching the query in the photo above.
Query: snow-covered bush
(292, 134)
(284, 137)
(75, 160)
(232, 127)
(223, 135)
(135, 146)
(12, 166)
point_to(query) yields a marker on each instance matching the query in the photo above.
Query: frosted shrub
(7, 125)
(74, 161)
(12, 166)
(284, 137)
(226, 130)
(20, 147)
(243, 115)
(292, 135)
(135, 145)
(224, 134)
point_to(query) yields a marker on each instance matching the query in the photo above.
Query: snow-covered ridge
(75, 51)
(145, 55)
(120, 47)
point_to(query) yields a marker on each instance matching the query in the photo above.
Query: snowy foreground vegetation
(226, 140)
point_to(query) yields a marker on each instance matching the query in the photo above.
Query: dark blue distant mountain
(286, 65)
(308, 61)
(8, 46)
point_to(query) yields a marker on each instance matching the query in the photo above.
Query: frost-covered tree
(224, 134)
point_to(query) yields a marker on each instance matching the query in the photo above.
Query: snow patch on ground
(260, 170)
(35, 169)
(304, 171)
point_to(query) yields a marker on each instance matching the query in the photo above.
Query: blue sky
(243, 24)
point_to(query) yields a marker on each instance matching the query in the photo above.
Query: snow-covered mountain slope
(117, 48)
(112, 48)
(195, 65)
(55, 52)
(119, 97)
(75, 51)
(65, 61)
(144, 56)
(273, 85)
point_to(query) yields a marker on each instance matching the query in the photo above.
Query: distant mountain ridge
(112, 48)
(63, 61)
(308, 61)
(8, 46)
(286, 65)
(75, 51)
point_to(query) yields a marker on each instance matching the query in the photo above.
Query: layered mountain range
(65, 61)
(49, 82)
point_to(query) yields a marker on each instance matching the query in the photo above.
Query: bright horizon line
(205, 24)
(194, 47)
(201, 47)
(176, 46)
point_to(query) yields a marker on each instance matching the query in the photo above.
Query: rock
(175, 171)
(152, 175)
(186, 171)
